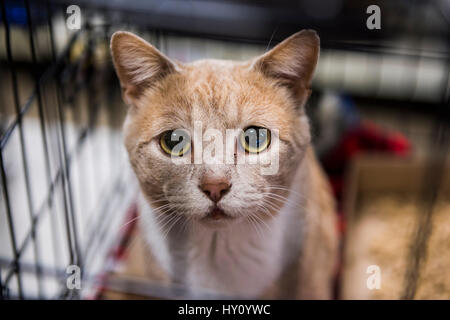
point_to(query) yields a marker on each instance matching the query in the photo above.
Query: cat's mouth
(217, 214)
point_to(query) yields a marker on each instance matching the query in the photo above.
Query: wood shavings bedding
(382, 235)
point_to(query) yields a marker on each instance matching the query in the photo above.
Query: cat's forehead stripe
(214, 91)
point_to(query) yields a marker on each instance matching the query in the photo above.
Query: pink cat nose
(215, 188)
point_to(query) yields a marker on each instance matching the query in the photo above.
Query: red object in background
(365, 137)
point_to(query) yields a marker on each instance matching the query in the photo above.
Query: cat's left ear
(292, 62)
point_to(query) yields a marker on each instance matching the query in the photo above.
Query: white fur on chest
(239, 261)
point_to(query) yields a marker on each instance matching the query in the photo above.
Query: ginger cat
(225, 226)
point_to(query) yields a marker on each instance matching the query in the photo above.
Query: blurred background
(379, 112)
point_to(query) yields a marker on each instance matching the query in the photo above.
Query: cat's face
(263, 97)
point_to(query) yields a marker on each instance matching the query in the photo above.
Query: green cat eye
(175, 142)
(255, 139)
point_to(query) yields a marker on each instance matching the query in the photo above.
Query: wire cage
(66, 184)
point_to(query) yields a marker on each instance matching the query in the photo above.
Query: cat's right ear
(292, 62)
(138, 65)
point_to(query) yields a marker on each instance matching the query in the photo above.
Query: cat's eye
(255, 139)
(175, 142)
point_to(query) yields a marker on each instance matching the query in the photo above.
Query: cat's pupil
(255, 137)
(174, 138)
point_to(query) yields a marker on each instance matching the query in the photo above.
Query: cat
(227, 228)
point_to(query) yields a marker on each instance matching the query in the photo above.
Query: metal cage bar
(60, 71)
